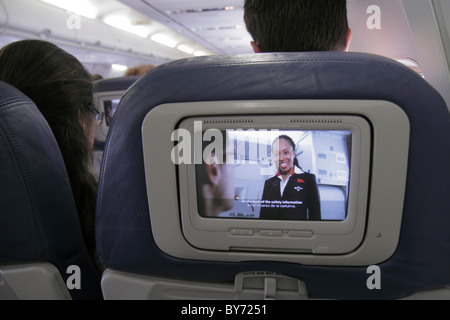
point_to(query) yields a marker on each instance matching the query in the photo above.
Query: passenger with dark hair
(297, 25)
(289, 195)
(62, 90)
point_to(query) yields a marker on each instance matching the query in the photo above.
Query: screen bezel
(390, 144)
(323, 237)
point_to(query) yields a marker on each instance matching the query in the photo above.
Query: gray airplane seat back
(130, 227)
(42, 251)
(107, 94)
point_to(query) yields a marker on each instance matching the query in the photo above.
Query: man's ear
(213, 171)
(256, 47)
(349, 38)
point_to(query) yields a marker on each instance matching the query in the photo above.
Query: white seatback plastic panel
(39, 281)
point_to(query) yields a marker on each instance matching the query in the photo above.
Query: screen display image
(110, 108)
(275, 175)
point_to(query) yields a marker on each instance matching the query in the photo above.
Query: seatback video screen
(274, 175)
(110, 107)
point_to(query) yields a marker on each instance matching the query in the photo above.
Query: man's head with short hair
(297, 25)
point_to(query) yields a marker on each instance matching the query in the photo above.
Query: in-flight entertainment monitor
(109, 107)
(106, 103)
(264, 182)
(288, 180)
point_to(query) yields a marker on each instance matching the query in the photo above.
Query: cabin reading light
(185, 48)
(119, 67)
(164, 40)
(199, 53)
(124, 24)
(82, 7)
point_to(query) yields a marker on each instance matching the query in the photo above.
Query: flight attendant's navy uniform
(300, 188)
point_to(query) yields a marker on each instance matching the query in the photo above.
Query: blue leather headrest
(422, 259)
(38, 216)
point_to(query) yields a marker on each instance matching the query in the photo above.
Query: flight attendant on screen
(289, 195)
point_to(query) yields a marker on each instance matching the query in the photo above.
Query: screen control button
(300, 234)
(271, 233)
(242, 232)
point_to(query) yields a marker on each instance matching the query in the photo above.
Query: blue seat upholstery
(38, 217)
(422, 258)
